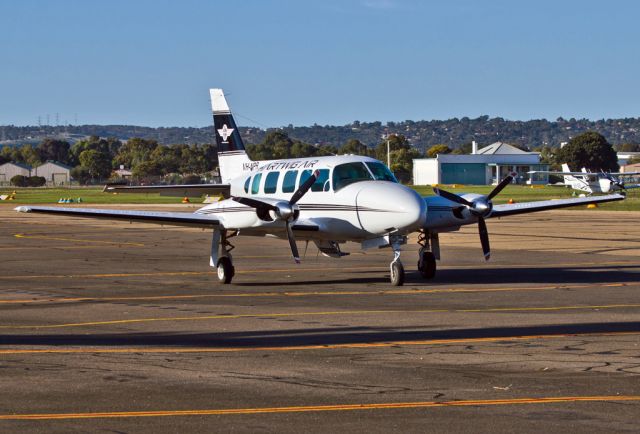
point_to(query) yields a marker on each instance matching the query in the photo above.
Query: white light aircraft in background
(603, 182)
(325, 200)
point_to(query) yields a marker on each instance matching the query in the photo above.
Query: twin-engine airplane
(326, 200)
(593, 182)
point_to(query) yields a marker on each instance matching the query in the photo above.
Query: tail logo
(225, 132)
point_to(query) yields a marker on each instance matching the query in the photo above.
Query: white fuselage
(339, 205)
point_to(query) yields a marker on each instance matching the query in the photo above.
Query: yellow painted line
(317, 313)
(77, 240)
(188, 350)
(313, 293)
(323, 408)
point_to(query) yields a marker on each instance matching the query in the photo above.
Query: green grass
(89, 195)
(94, 195)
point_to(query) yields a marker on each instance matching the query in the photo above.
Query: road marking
(319, 313)
(77, 240)
(410, 291)
(319, 408)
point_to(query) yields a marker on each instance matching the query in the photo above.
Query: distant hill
(422, 134)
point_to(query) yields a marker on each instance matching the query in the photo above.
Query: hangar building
(9, 170)
(483, 166)
(55, 173)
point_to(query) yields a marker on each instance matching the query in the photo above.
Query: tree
(97, 163)
(438, 149)
(30, 156)
(354, 146)
(135, 151)
(590, 150)
(402, 155)
(55, 150)
(80, 174)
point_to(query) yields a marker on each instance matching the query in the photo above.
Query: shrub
(36, 181)
(19, 181)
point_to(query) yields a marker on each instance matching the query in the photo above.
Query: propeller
(615, 180)
(283, 210)
(480, 207)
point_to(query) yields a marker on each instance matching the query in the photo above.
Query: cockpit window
(381, 172)
(348, 173)
(322, 181)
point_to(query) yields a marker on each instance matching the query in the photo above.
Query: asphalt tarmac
(117, 327)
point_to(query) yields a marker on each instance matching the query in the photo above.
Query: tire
(225, 270)
(427, 265)
(397, 273)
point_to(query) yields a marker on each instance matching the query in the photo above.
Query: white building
(54, 173)
(9, 170)
(484, 166)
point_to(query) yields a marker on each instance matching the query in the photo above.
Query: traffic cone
(592, 205)
(185, 200)
(511, 201)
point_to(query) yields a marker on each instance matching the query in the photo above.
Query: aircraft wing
(186, 190)
(566, 173)
(159, 217)
(544, 205)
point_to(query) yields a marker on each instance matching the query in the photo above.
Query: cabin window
(348, 173)
(306, 174)
(381, 172)
(255, 185)
(271, 182)
(322, 181)
(289, 182)
(246, 185)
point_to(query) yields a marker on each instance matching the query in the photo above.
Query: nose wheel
(396, 275)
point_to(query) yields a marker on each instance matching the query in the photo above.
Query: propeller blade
(254, 203)
(292, 243)
(304, 188)
(452, 197)
(506, 181)
(484, 238)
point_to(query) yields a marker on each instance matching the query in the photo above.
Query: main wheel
(397, 273)
(225, 270)
(427, 265)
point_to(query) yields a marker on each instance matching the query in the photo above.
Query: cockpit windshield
(348, 173)
(381, 172)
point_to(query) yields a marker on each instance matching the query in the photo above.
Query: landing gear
(429, 252)
(226, 270)
(427, 265)
(396, 269)
(221, 255)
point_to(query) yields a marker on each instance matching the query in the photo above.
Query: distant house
(9, 170)
(630, 168)
(484, 166)
(123, 173)
(54, 173)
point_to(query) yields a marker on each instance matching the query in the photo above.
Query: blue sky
(326, 61)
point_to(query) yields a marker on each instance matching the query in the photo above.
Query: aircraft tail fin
(568, 179)
(231, 152)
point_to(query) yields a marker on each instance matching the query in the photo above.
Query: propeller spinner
(481, 208)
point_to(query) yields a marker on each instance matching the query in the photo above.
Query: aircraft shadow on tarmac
(481, 275)
(311, 336)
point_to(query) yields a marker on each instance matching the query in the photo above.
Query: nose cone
(385, 206)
